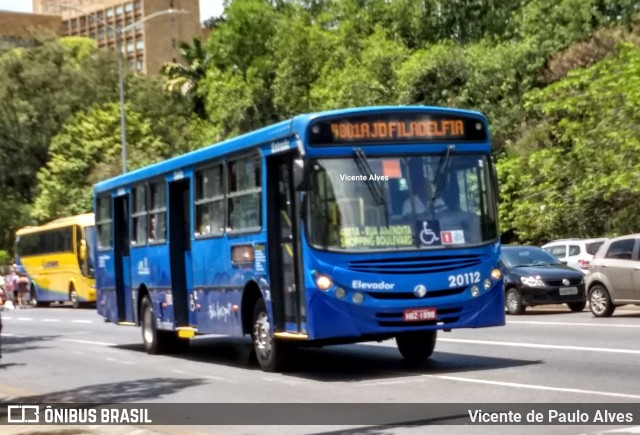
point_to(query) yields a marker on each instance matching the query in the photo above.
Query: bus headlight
(496, 274)
(324, 282)
(357, 298)
(340, 293)
(486, 284)
(475, 291)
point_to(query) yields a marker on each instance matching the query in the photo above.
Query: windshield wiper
(439, 178)
(373, 183)
(376, 189)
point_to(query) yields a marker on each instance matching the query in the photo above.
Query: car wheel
(417, 347)
(600, 301)
(513, 302)
(73, 298)
(576, 307)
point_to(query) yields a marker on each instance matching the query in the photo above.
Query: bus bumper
(333, 318)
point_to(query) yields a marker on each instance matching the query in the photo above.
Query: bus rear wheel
(73, 298)
(417, 347)
(270, 353)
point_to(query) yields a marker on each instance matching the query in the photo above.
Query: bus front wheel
(269, 351)
(417, 347)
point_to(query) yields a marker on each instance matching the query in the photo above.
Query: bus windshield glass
(409, 202)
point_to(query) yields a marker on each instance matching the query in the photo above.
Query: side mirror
(298, 175)
(83, 250)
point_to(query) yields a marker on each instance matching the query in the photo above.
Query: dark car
(535, 277)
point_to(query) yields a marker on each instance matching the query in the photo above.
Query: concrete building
(20, 29)
(146, 47)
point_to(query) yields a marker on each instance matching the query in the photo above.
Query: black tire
(417, 347)
(600, 301)
(270, 352)
(577, 307)
(155, 342)
(33, 299)
(73, 297)
(513, 302)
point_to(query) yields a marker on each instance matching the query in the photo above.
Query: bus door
(122, 261)
(180, 248)
(287, 291)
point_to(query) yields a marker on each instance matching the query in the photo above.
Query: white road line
(536, 387)
(25, 318)
(635, 429)
(99, 343)
(82, 321)
(541, 346)
(597, 325)
(50, 320)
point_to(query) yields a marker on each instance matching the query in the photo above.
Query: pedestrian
(23, 288)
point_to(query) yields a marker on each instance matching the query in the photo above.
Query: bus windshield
(409, 202)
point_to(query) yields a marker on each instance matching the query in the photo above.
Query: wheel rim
(598, 301)
(513, 302)
(147, 330)
(73, 297)
(262, 336)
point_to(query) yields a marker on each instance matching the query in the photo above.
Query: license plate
(565, 291)
(419, 314)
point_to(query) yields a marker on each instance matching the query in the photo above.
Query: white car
(576, 253)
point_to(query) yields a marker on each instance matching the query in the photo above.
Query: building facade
(20, 29)
(146, 47)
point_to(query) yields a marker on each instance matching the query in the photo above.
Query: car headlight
(532, 281)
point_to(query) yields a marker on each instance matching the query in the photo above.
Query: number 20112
(464, 279)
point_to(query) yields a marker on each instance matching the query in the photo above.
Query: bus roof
(280, 130)
(86, 219)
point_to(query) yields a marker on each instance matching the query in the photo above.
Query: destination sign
(397, 127)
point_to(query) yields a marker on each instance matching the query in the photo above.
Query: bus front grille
(415, 265)
(409, 295)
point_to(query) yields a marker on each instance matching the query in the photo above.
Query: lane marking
(598, 325)
(541, 346)
(536, 387)
(50, 320)
(82, 321)
(25, 318)
(99, 343)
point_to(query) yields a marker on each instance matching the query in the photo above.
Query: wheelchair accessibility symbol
(427, 235)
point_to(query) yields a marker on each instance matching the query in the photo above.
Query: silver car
(614, 275)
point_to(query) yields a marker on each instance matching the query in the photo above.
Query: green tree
(184, 79)
(88, 150)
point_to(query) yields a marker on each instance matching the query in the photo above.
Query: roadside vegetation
(559, 81)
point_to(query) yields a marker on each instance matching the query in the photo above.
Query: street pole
(120, 31)
(123, 117)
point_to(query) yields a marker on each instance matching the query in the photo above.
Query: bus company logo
(361, 285)
(420, 291)
(23, 414)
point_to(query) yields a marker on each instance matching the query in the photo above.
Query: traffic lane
(317, 374)
(345, 363)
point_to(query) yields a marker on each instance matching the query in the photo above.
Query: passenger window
(621, 250)
(158, 212)
(559, 251)
(244, 193)
(139, 215)
(574, 250)
(103, 222)
(210, 201)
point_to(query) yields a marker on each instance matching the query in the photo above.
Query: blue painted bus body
(215, 285)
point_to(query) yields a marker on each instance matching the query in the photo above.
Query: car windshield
(364, 203)
(527, 256)
(592, 247)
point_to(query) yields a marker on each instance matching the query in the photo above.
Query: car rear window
(592, 247)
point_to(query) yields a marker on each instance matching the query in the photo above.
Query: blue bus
(343, 226)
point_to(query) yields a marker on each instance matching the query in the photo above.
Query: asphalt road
(548, 355)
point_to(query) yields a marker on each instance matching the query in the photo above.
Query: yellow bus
(58, 258)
